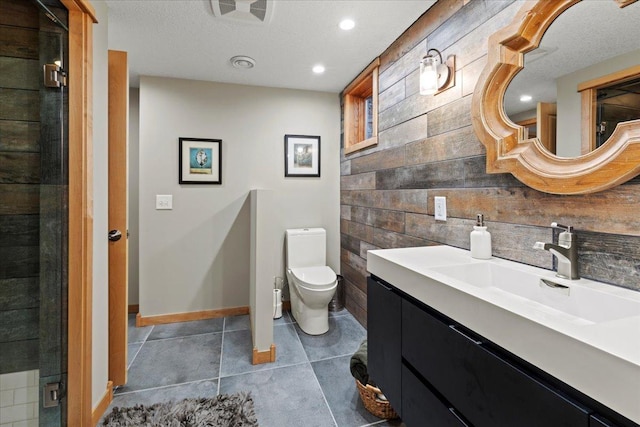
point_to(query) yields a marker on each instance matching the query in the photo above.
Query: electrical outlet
(164, 201)
(440, 208)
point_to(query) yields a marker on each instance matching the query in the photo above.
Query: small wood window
(361, 110)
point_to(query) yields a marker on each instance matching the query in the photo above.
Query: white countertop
(601, 359)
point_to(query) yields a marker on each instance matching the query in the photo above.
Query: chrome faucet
(566, 251)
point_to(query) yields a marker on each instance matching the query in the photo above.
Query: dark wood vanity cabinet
(440, 373)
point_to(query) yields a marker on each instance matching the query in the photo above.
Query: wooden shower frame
(82, 16)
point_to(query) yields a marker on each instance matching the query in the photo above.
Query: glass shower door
(33, 214)
(54, 155)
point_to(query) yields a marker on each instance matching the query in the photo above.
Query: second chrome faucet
(566, 251)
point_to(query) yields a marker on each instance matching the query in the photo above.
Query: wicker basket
(379, 408)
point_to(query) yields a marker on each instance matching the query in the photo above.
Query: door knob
(114, 235)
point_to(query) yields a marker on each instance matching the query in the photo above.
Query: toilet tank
(306, 247)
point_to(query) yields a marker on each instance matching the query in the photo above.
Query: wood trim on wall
(190, 316)
(134, 308)
(619, 76)
(355, 94)
(260, 357)
(102, 406)
(588, 104)
(80, 273)
(83, 6)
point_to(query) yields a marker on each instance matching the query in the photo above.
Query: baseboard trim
(286, 305)
(260, 357)
(190, 316)
(102, 406)
(134, 308)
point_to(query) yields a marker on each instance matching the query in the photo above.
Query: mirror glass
(592, 41)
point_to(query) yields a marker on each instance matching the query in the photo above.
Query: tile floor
(309, 384)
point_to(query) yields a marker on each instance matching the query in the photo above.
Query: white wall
(134, 103)
(263, 268)
(569, 100)
(196, 256)
(100, 310)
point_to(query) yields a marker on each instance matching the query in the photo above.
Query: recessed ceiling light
(525, 98)
(318, 69)
(347, 24)
(244, 62)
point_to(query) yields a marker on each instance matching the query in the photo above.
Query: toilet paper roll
(277, 303)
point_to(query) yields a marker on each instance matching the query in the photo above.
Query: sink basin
(425, 257)
(544, 293)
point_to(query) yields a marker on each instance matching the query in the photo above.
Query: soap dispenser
(480, 240)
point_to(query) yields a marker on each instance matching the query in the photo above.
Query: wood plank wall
(19, 185)
(427, 148)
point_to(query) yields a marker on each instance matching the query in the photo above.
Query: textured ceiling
(588, 33)
(183, 39)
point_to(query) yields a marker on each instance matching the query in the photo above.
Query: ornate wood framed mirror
(533, 160)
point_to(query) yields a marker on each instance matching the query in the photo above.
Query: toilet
(311, 282)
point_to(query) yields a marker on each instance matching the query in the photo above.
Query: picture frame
(200, 161)
(302, 156)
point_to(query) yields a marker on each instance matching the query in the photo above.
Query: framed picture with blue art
(301, 156)
(200, 161)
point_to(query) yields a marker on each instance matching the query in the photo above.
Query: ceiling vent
(248, 11)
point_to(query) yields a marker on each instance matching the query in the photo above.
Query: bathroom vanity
(457, 341)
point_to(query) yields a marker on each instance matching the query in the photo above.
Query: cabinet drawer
(421, 407)
(599, 421)
(489, 390)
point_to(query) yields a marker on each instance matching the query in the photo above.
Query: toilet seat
(315, 278)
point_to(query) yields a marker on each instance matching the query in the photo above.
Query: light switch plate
(440, 208)
(164, 201)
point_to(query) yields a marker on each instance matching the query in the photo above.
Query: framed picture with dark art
(200, 161)
(301, 156)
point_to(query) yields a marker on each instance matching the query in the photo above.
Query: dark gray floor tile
(286, 393)
(137, 334)
(208, 388)
(238, 351)
(343, 338)
(174, 361)
(286, 318)
(283, 397)
(132, 351)
(340, 390)
(183, 329)
(237, 323)
(242, 323)
(342, 312)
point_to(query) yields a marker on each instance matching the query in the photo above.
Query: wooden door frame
(82, 16)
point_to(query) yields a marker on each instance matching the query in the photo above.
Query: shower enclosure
(617, 103)
(33, 210)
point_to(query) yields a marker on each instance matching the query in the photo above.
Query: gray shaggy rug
(235, 410)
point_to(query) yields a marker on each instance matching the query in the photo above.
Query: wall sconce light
(435, 74)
